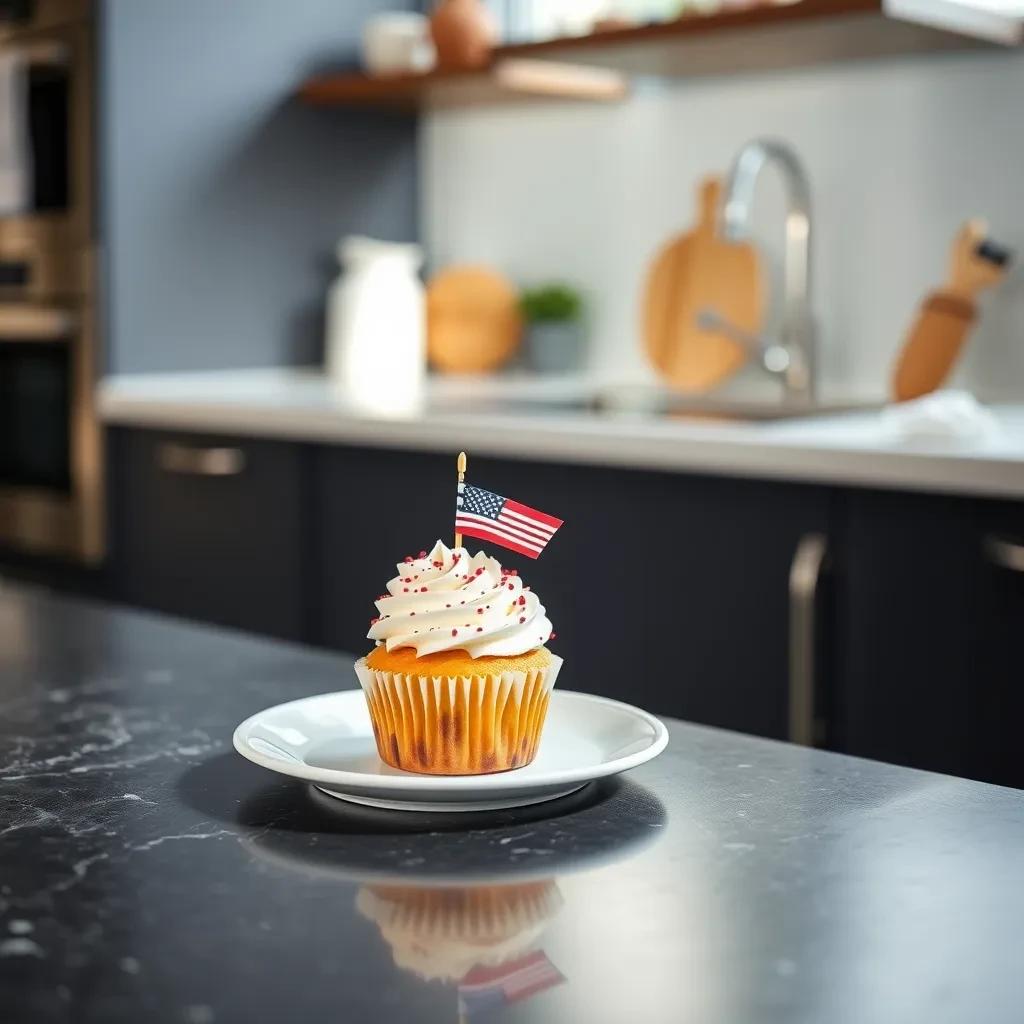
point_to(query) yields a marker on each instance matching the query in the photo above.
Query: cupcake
(459, 681)
(445, 933)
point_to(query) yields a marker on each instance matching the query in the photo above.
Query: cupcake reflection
(484, 939)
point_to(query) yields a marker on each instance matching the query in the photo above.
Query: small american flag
(487, 987)
(489, 516)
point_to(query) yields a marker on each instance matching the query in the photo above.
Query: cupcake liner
(457, 725)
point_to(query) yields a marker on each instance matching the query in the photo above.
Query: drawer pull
(804, 578)
(1005, 554)
(187, 461)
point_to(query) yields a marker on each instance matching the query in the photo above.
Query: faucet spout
(795, 324)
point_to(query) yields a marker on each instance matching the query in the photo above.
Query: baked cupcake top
(449, 600)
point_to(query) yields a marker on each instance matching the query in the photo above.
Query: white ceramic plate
(327, 740)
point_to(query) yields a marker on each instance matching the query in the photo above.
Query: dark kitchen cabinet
(1001, 642)
(928, 625)
(213, 529)
(706, 598)
(666, 590)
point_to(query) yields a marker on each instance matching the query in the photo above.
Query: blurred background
(728, 286)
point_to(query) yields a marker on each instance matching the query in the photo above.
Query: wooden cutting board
(473, 320)
(695, 271)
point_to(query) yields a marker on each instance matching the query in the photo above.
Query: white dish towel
(941, 416)
(15, 144)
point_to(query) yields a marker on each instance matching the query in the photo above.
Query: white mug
(397, 43)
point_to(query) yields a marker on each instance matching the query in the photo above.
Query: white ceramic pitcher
(376, 327)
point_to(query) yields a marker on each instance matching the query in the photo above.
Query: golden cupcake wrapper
(483, 914)
(457, 725)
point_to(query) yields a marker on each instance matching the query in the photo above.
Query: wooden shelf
(760, 38)
(505, 80)
(595, 67)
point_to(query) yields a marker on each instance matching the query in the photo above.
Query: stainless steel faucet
(790, 356)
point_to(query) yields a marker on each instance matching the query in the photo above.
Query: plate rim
(454, 783)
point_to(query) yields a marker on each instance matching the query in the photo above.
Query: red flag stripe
(542, 533)
(532, 513)
(487, 977)
(496, 538)
(500, 527)
(548, 531)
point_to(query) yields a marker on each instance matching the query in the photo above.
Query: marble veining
(148, 872)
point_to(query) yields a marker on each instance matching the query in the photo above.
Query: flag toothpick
(460, 465)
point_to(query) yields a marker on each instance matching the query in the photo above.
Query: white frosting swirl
(449, 601)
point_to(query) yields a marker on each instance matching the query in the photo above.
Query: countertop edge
(612, 443)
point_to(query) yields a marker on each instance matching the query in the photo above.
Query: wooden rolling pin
(946, 316)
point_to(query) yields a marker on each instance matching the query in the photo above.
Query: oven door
(49, 445)
(35, 414)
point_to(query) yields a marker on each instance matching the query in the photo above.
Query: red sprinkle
(408, 558)
(479, 629)
(423, 554)
(374, 621)
(457, 557)
(479, 571)
(510, 587)
(522, 619)
(479, 611)
(407, 579)
(553, 635)
(455, 632)
(405, 590)
(522, 600)
(423, 590)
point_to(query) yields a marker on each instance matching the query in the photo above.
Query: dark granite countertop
(147, 872)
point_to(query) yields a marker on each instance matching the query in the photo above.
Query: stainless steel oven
(51, 467)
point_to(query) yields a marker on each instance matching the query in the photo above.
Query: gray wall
(899, 152)
(222, 196)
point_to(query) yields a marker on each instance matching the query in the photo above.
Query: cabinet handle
(1005, 554)
(804, 577)
(188, 461)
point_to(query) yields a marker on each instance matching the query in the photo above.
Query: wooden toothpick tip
(460, 465)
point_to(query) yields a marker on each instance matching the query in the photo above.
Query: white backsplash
(899, 153)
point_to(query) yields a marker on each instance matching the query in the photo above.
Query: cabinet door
(667, 591)
(212, 528)
(928, 630)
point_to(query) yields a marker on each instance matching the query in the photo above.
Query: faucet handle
(774, 357)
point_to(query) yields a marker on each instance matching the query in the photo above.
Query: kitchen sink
(722, 410)
(654, 402)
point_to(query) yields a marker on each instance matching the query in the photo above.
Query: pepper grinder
(947, 315)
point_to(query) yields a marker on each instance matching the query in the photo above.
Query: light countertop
(857, 448)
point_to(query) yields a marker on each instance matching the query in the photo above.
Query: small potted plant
(554, 336)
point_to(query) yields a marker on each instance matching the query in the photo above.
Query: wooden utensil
(946, 316)
(699, 271)
(473, 320)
